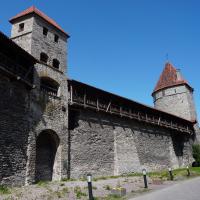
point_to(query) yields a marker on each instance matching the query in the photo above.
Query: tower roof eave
(172, 85)
(34, 10)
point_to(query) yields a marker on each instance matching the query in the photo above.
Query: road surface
(186, 190)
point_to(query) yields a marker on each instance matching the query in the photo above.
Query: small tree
(196, 154)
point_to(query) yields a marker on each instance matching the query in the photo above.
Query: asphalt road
(186, 190)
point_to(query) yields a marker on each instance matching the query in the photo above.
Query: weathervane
(167, 57)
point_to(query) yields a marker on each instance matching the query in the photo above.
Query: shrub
(4, 190)
(107, 187)
(196, 154)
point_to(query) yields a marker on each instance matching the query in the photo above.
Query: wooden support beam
(28, 72)
(84, 100)
(71, 93)
(120, 111)
(159, 120)
(146, 117)
(108, 106)
(153, 119)
(171, 124)
(97, 104)
(138, 115)
(130, 113)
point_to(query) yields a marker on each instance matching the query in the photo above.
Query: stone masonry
(107, 145)
(177, 100)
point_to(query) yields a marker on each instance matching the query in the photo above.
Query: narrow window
(56, 63)
(163, 93)
(45, 31)
(44, 57)
(21, 27)
(56, 38)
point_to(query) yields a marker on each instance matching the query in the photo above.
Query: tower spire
(173, 94)
(170, 77)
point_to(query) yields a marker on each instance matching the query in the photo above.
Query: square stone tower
(45, 40)
(40, 36)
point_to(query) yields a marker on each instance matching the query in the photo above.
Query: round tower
(174, 95)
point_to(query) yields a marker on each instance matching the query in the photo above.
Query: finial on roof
(167, 57)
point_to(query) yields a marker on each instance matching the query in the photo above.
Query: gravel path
(78, 189)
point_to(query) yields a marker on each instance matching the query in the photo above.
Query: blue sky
(121, 45)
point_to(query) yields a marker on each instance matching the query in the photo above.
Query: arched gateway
(46, 147)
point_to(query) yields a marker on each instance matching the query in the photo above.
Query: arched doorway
(46, 147)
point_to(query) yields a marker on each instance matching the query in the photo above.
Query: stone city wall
(106, 145)
(14, 131)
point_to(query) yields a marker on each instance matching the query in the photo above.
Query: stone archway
(46, 147)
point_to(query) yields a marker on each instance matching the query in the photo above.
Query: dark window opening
(21, 27)
(56, 63)
(163, 93)
(49, 86)
(56, 38)
(44, 57)
(45, 31)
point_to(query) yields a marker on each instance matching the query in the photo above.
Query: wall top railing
(82, 96)
(25, 73)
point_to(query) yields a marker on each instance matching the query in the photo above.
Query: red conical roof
(169, 78)
(34, 10)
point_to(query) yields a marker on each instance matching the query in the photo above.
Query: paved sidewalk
(186, 190)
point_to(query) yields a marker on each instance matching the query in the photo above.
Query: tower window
(44, 57)
(45, 31)
(21, 27)
(56, 63)
(56, 38)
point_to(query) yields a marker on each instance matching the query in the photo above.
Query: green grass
(68, 180)
(113, 197)
(195, 170)
(181, 172)
(163, 175)
(79, 193)
(4, 190)
(42, 183)
(110, 197)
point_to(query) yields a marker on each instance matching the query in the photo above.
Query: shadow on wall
(22, 108)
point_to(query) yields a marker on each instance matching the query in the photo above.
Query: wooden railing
(49, 91)
(98, 103)
(18, 70)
